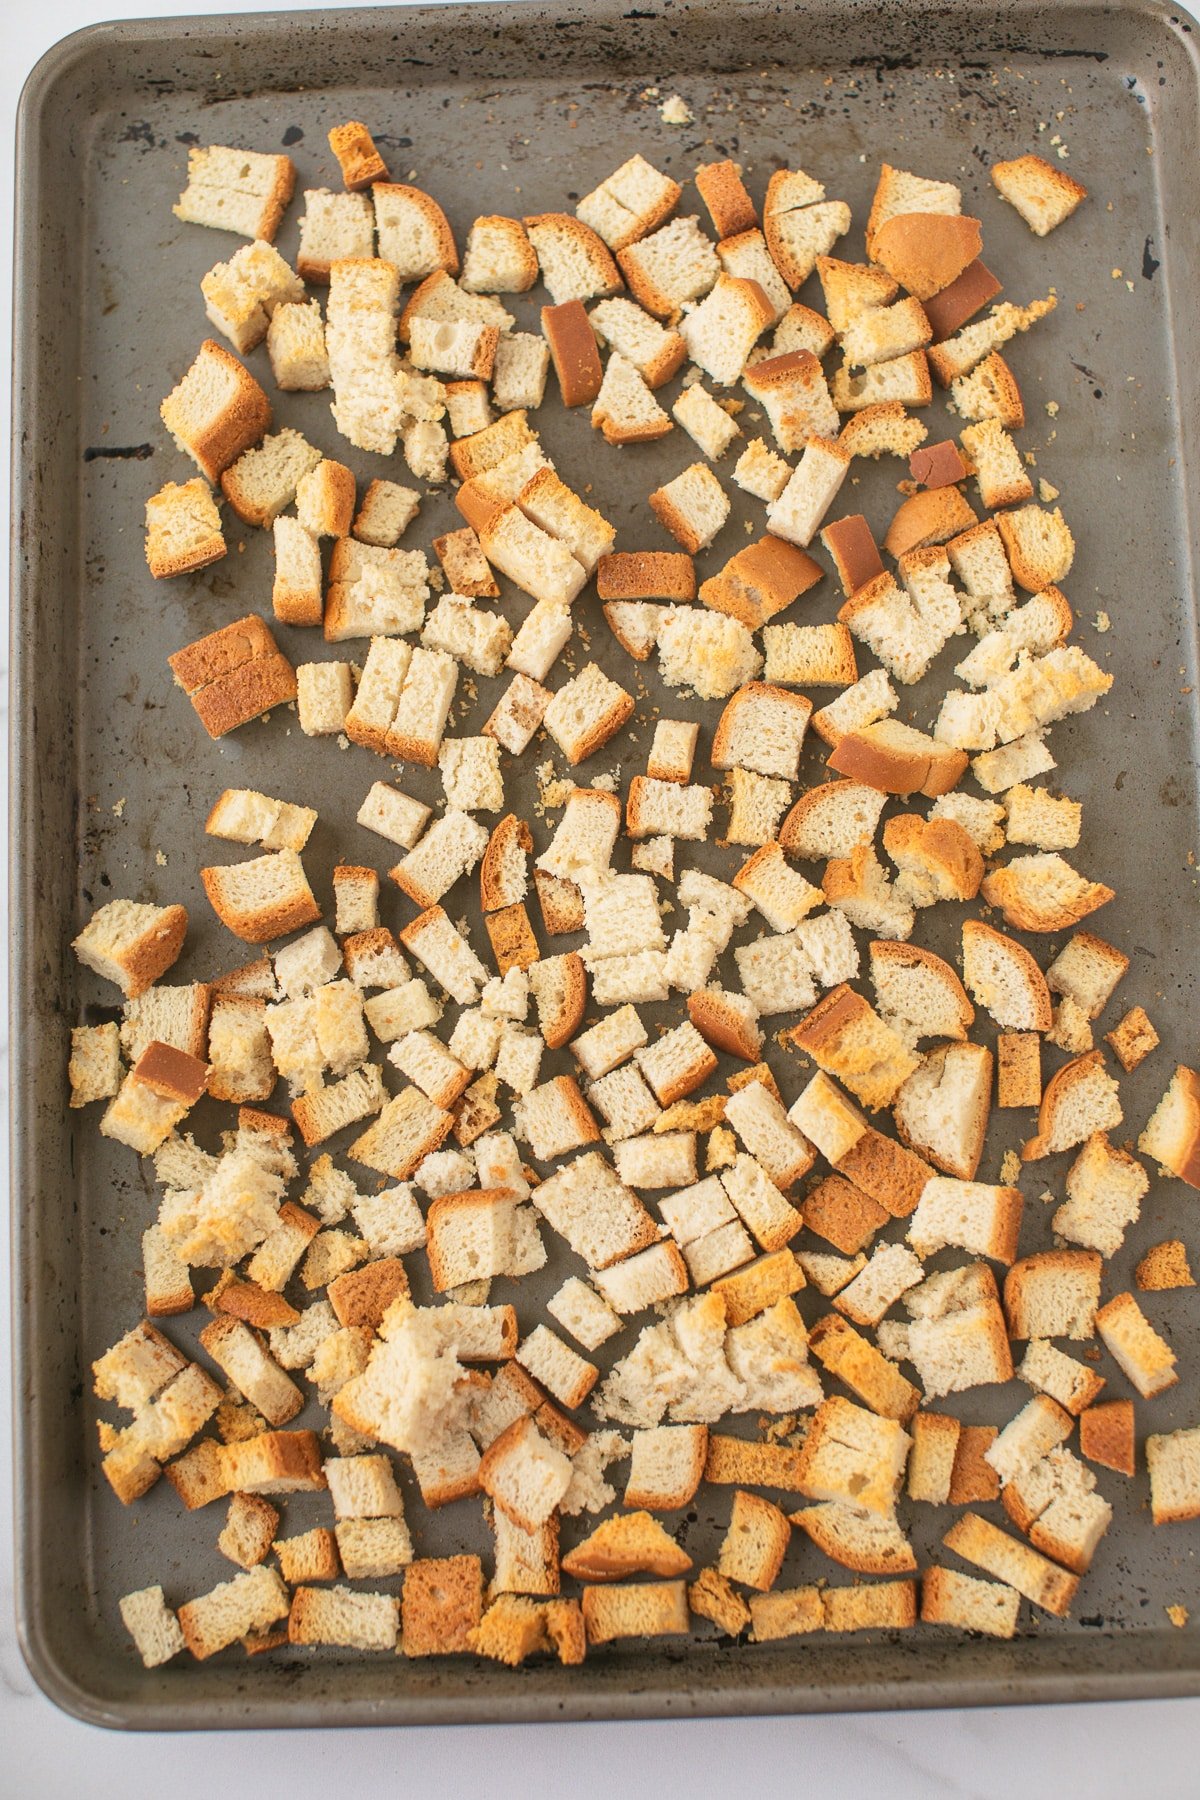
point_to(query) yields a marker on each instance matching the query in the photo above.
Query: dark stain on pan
(293, 135)
(122, 452)
(1149, 262)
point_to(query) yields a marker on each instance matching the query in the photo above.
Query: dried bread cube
(249, 1602)
(1044, 196)
(1106, 1436)
(722, 329)
(575, 262)
(333, 227)
(723, 192)
(942, 1109)
(800, 224)
(1139, 1351)
(693, 507)
(759, 471)
(812, 656)
(296, 347)
(243, 191)
(978, 1541)
(754, 1545)
(152, 1626)
(249, 1530)
(793, 392)
(183, 529)
(630, 202)
(1173, 1459)
(233, 675)
(707, 652)
(217, 411)
(706, 423)
(950, 1598)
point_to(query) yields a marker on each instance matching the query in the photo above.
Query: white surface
(1101, 1751)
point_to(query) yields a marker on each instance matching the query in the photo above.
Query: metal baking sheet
(519, 109)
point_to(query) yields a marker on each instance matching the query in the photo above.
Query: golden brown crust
(1107, 1437)
(474, 455)
(441, 1605)
(930, 517)
(723, 192)
(560, 1030)
(889, 1172)
(510, 832)
(732, 1461)
(760, 581)
(560, 901)
(721, 1027)
(925, 252)
(854, 1360)
(936, 844)
(573, 351)
(866, 756)
(973, 1478)
(843, 1214)
(234, 675)
(1164, 1266)
(1132, 1039)
(435, 218)
(751, 1290)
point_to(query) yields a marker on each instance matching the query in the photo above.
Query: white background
(1127, 1750)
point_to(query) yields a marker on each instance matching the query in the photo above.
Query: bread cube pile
(772, 1280)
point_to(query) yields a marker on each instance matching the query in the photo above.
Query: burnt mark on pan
(293, 135)
(122, 452)
(1149, 261)
(141, 132)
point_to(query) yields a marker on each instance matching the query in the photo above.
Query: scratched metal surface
(520, 110)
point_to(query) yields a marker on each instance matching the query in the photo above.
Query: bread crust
(950, 310)
(234, 675)
(573, 351)
(1004, 889)
(760, 581)
(931, 517)
(1107, 1436)
(511, 834)
(925, 252)
(913, 956)
(723, 192)
(866, 756)
(510, 933)
(721, 1027)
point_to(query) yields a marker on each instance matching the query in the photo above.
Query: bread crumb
(119, 808)
(343, 742)
(1010, 1168)
(160, 859)
(1052, 408)
(1046, 493)
(553, 790)
(676, 111)
(1102, 621)
(608, 781)
(1178, 1616)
